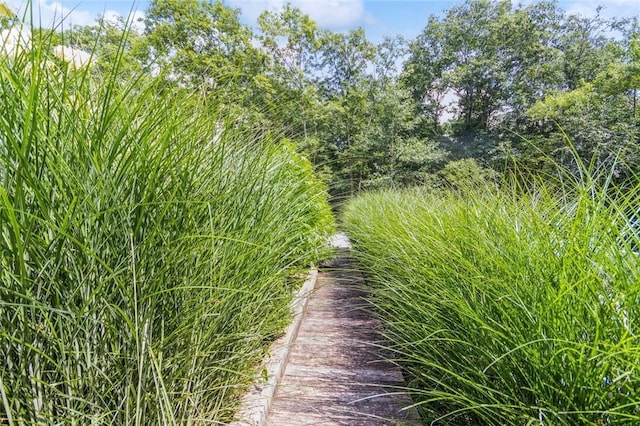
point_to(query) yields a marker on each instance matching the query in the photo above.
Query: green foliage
(303, 41)
(148, 210)
(147, 247)
(508, 306)
(467, 54)
(495, 62)
(292, 41)
(600, 116)
(201, 45)
(466, 174)
(374, 115)
(111, 44)
(319, 220)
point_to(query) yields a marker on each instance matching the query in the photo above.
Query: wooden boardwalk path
(335, 374)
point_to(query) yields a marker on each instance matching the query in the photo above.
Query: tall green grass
(147, 245)
(509, 305)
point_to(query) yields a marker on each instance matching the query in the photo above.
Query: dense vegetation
(158, 192)
(150, 244)
(508, 281)
(508, 305)
(397, 112)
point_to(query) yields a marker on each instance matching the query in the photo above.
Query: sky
(379, 18)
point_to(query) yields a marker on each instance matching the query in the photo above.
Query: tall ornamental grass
(147, 248)
(509, 306)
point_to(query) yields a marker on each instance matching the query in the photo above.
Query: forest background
(485, 86)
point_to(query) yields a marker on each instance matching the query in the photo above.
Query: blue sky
(378, 17)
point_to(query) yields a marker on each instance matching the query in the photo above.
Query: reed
(509, 305)
(147, 247)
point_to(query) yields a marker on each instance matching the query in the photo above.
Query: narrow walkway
(336, 374)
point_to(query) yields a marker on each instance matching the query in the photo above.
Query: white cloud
(333, 14)
(49, 13)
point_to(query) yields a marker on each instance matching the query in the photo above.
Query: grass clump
(509, 305)
(147, 245)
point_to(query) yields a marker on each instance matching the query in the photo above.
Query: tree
(497, 62)
(111, 42)
(202, 45)
(600, 116)
(343, 84)
(586, 49)
(292, 41)
(491, 58)
(396, 153)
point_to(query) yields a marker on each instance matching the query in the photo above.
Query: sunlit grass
(147, 245)
(509, 305)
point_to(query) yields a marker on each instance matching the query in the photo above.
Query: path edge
(256, 403)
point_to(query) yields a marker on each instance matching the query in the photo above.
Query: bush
(466, 174)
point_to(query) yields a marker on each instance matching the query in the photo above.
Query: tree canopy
(487, 81)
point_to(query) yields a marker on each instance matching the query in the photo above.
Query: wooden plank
(337, 373)
(257, 401)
